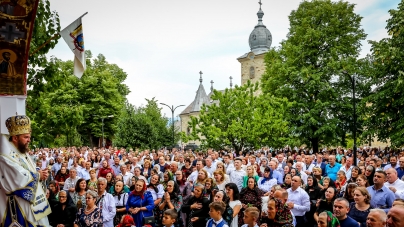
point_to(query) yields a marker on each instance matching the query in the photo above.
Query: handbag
(147, 220)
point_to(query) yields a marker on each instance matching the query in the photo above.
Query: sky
(163, 44)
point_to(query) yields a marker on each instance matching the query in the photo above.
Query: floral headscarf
(332, 221)
(283, 215)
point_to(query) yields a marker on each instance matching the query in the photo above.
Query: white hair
(382, 214)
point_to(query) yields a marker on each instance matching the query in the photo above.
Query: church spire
(231, 82)
(211, 86)
(200, 78)
(260, 15)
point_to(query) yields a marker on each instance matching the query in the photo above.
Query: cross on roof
(231, 81)
(10, 32)
(200, 78)
(211, 85)
(260, 3)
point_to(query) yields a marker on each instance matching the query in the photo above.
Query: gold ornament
(18, 125)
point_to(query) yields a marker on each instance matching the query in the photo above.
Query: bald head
(391, 175)
(281, 194)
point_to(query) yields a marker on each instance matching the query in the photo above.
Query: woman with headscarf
(126, 221)
(278, 214)
(313, 191)
(140, 203)
(171, 200)
(168, 176)
(249, 196)
(266, 182)
(370, 173)
(287, 181)
(327, 219)
(196, 208)
(121, 198)
(64, 212)
(327, 203)
(220, 196)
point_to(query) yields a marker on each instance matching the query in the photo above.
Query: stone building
(252, 68)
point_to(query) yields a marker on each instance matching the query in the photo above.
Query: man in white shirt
(228, 163)
(308, 164)
(298, 201)
(127, 176)
(199, 165)
(299, 166)
(106, 203)
(210, 168)
(347, 168)
(394, 184)
(237, 174)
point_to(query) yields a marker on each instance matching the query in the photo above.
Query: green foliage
(323, 41)
(239, 119)
(74, 109)
(47, 24)
(385, 104)
(143, 127)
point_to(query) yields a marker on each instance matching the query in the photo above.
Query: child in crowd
(169, 218)
(250, 218)
(216, 211)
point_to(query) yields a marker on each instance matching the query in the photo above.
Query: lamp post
(102, 119)
(172, 117)
(353, 84)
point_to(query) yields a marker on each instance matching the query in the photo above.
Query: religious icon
(16, 24)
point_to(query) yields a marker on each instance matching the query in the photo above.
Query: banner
(16, 23)
(73, 35)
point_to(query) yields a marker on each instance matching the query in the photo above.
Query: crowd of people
(281, 188)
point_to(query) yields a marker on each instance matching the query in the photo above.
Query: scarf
(283, 214)
(267, 179)
(127, 221)
(332, 221)
(141, 193)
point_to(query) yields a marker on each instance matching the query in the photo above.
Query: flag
(73, 35)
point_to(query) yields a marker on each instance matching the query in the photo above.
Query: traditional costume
(22, 196)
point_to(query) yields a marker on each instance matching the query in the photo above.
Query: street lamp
(353, 84)
(102, 118)
(172, 117)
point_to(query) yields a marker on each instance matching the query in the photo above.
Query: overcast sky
(163, 44)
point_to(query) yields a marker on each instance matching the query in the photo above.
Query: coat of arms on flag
(16, 25)
(73, 35)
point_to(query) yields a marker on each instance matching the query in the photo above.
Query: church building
(252, 68)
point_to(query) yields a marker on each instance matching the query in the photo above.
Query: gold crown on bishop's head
(18, 125)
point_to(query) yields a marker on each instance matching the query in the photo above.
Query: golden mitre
(18, 125)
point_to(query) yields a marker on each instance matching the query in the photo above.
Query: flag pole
(57, 35)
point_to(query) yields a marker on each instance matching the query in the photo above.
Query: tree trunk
(314, 144)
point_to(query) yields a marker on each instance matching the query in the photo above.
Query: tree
(143, 127)
(238, 119)
(47, 24)
(385, 104)
(74, 109)
(323, 42)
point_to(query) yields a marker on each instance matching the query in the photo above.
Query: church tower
(252, 63)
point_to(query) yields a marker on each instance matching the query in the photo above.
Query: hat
(18, 125)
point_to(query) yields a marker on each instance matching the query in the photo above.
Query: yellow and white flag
(73, 35)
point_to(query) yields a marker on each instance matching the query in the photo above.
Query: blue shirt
(332, 171)
(400, 172)
(348, 222)
(278, 176)
(382, 198)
